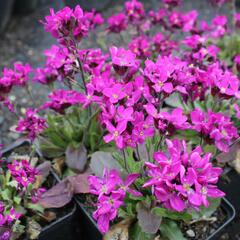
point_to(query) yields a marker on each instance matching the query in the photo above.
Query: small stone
(190, 233)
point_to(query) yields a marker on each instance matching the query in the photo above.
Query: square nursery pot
(91, 231)
(230, 185)
(66, 226)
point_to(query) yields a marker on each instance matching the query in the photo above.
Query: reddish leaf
(76, 158)
(79, 183)
(44, 168)
(58, 196)
(231, 154)
(148, 222)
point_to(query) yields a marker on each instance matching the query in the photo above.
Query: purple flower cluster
(62, 99)
(32, 124)
(23, 173)
(67, 23)
(59, 64)
(111, 191)
(19, 76)
(182, 180)
(7, 220)
(214, 127)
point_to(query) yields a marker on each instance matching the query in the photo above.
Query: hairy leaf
(101, 160)
(58, 196)
(79, 183)
(147, 220)
(76, 158)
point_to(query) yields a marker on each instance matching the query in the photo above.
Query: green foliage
(170, 230)
(73, 128)
(230, 47)
(163, 212)
(204, 212)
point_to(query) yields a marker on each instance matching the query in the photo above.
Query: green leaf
(13, 184)
(17, 200)
(35, 207)
(170, 230)
(136, 233)
(163, 212)
(6, 194)
(204, 212)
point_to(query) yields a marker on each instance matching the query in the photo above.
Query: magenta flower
(180, 180)
(111, 191)
(115, 93)
(21, 74)
(220, 25)
(67, 23)
(117, 23)
(23, 173)
(46, 75)
(92, 58)
(115, 133)
(214, 127)
(62, 99)
(237, 20)
(107, 210)
(173, 121)
(158, 76)
(13, 216)
(106, 184)
(31, 124)
(140, 46)
(134, 10)
(122, 59)
(172, 3)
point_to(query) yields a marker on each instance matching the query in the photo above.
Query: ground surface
(25, 40)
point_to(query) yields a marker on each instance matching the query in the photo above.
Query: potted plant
(22, 213)
(135, 130)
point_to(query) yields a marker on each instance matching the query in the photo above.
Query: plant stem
(138, 154)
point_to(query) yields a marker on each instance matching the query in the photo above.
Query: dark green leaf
(171, 231)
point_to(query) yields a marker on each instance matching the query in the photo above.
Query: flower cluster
(111, 191)
(181, 180)
(7, 221)
(214, 127)
(17, 180)
(59, 63)
(67, 23)
(62, 99)
(19, 76)
(23, 173)
(32, 124)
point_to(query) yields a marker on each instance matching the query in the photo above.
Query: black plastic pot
(24, 6)
(65, 227)
(230, 185)
(98, 5)
(91, 231)
(5, 12)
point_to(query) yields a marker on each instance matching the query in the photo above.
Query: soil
(203, 229)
